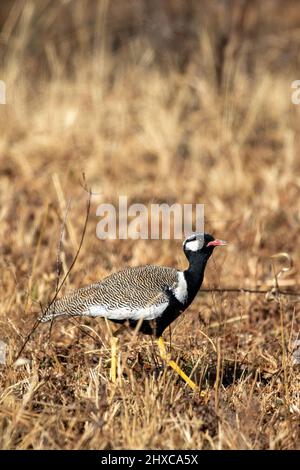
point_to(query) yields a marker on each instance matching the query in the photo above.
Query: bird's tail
(62, 308)
(48, 316)
(55, 309)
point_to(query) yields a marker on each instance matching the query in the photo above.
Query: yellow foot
(165, 357)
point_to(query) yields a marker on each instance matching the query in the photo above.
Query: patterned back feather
(127, 294)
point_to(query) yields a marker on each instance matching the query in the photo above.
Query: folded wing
(132, 293)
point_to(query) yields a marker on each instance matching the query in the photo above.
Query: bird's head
(203, 243)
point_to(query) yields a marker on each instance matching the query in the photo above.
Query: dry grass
(216, 128)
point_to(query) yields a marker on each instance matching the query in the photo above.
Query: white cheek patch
(194, 245)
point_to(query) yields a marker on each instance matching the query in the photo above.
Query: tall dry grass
(162, 103)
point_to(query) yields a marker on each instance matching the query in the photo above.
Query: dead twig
(59, 287)
(243, 290)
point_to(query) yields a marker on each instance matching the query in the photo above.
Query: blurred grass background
(162, 101)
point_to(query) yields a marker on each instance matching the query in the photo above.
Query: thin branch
(59, 246)
(242, 290)
(37, 322)
(58, 259)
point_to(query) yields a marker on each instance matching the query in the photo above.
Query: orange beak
(217, 243)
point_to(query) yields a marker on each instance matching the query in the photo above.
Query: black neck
(195, 272)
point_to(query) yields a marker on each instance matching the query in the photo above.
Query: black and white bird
(147, 297)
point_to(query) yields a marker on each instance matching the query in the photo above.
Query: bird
(147, 298)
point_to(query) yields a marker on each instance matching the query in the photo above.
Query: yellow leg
(165, 357)
(114, 356)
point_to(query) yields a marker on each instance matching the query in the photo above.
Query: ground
(195, 119)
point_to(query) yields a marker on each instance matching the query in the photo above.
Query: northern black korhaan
(147, 297)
